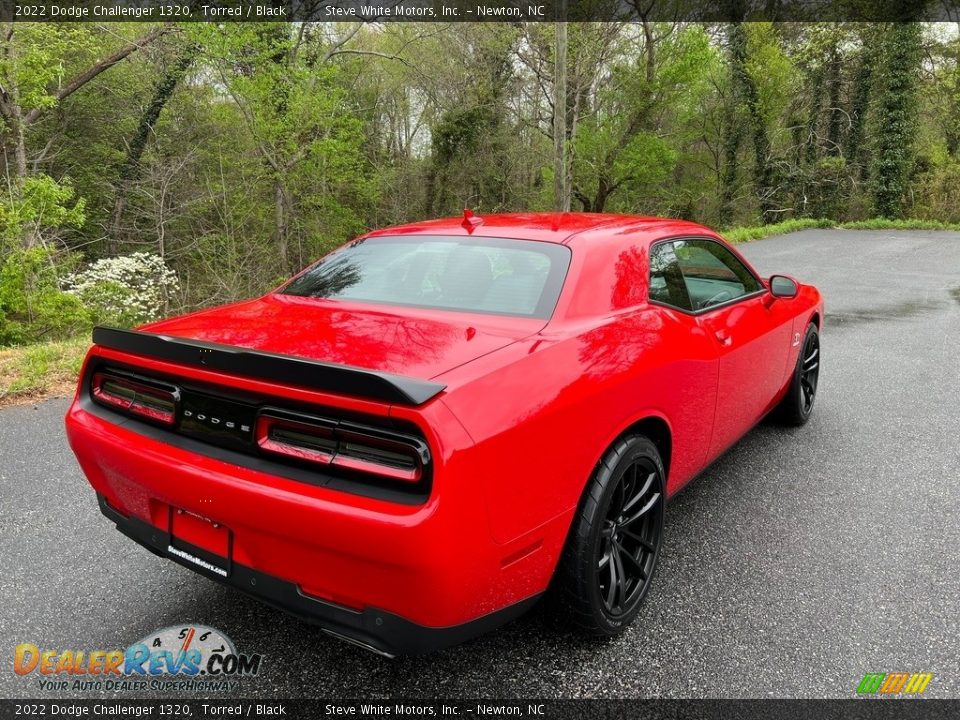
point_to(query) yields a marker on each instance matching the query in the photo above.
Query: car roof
(554, 227)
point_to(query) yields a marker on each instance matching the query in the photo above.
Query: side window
(712, 274)
(666, 279)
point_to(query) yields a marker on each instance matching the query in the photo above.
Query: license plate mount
(200, 541)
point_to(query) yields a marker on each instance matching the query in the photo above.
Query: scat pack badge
(179, 657)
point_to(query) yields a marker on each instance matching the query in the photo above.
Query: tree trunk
(896, 118)
(604, 188)
(130, 168)
(811, 148)
(859, 106)
(282, 227)
(650, 51)
(728, 175)
(561, 195)
(12, 114)
(762, 169)
(834, 116)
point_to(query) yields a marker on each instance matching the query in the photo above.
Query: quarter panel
(542, 421)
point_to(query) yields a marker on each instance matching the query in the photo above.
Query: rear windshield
(486, 275)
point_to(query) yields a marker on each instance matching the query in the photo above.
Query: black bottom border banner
(646, 709)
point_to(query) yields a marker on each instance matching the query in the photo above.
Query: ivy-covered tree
(895, 117)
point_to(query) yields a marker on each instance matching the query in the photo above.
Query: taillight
(350, 446)
(135, 398)
(314, 442)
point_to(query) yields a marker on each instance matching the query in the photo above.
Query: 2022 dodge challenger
(413, 439)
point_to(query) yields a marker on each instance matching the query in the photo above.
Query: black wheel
(614, 542)
(797, 405)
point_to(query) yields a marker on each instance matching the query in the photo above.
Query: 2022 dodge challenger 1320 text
(423, 432)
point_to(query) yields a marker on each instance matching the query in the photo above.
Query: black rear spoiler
(286, 369)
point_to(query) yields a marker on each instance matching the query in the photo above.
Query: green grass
(887, 224)
(758, 232)
(33, 370)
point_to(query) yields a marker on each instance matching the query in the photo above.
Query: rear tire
(797, 405)
(614, 542)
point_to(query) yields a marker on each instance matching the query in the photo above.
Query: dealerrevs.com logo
(176, 658)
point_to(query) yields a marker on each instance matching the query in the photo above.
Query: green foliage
(771, 70)
(42, 203)
(621, 155)
(749, 47)
(45, 56)
(241, 152)
(32, 305)
(938, 192)
(471, 140)
(863, 80)
(828, 187)
(895, 122)
(301, 122)
(459, 132)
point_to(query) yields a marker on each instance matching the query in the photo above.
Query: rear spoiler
(286, 369)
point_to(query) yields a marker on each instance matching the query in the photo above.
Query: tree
(130, 167)
(620, 142)
(303, 126)
(895, 121)
(472, 136)
(561, 185)
(31, 86)
(746, 92)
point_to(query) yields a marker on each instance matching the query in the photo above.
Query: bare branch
(349, 51)
(105, 64)
(341, 42)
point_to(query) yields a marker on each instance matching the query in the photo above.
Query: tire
(797, 405)
(620, 517)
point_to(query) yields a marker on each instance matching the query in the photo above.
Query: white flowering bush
(124, 290)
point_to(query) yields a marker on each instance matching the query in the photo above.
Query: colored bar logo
(894, 683)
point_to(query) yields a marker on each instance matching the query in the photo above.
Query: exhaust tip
(358, 643)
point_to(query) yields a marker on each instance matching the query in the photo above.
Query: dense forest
(149, 169)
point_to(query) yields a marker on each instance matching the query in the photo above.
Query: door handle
(723, 337)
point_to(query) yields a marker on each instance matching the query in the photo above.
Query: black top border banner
(478, 10)
(852, 709)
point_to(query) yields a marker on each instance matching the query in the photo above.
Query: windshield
(487, 275)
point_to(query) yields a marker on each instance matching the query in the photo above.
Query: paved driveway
(799, 561)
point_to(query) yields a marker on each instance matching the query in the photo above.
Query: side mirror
(782, 286)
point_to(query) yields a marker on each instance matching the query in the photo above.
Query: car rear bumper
(373, 629)
(398, 579)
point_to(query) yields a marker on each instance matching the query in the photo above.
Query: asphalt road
(799, 561)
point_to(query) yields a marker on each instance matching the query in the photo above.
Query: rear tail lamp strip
(390, 455)
(151, 402)
(305, 438)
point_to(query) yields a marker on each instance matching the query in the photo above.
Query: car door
(690, 379)
(752, 338)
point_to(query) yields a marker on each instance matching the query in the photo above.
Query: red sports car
(413, 439)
